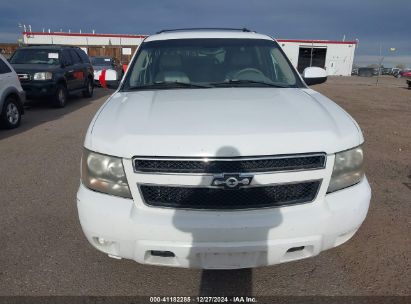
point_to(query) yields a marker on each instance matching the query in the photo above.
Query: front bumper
(221, 239)
(35, 89)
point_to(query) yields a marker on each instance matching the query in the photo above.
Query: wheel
(11, 114)
(60, 97)
(88, 92)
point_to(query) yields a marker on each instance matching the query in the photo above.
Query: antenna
(94, 31)
(80, 31)
(20, 26)
(43, 29)
(30, 28)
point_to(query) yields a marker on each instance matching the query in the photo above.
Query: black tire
(89, 90)
(10, 117)
(61, 96)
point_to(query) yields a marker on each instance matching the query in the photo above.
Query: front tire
(60, 97)
(88, 92)
(10, 117)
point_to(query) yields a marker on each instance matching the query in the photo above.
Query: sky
(374, 23)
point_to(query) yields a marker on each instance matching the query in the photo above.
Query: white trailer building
(335, 56)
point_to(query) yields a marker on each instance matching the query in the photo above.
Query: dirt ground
(44, 251)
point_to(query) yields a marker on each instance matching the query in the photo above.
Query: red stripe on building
(83, 35)
(144, 36)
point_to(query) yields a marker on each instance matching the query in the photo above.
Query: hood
(204, 122)
(32, 68)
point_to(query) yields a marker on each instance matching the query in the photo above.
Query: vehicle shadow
(40, 111)
(222, 230)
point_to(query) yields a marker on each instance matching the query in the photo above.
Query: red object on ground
(102, 79)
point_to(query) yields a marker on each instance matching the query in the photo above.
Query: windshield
(35, 56)
(196, 63)
(105, 61)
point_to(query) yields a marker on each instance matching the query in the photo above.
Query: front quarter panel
(88, 140)
(344, 120)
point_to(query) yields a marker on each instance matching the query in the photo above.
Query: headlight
(43, 76)
(348, 169)
(104, 173)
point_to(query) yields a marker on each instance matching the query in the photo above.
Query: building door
(311, 56)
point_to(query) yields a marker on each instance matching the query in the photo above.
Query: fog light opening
(101, 241)
(163, 254)
(294, 249)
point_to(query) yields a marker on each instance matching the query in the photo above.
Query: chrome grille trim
(214, 161)
(24, 77)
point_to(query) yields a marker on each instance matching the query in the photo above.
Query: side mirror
(314, 75)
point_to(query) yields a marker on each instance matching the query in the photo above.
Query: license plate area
(229, 260)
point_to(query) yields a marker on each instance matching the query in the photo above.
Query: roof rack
(53, 46)
(205, 29)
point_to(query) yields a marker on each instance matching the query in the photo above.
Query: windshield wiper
(168, 85)
(246, 81)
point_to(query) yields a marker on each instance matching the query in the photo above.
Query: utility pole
(391, 49)
(379, 65)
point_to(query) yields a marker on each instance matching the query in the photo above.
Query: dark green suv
(53, 71)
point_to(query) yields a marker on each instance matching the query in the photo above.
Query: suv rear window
(104, 61)
(67, 61)
(75, 57)
(83, 55)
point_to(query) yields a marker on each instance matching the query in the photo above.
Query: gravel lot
(44, 251)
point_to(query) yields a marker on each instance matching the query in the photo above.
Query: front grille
(218, 198)
(225, 165)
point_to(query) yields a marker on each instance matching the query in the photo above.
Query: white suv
(12, 96)
(214, 153)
